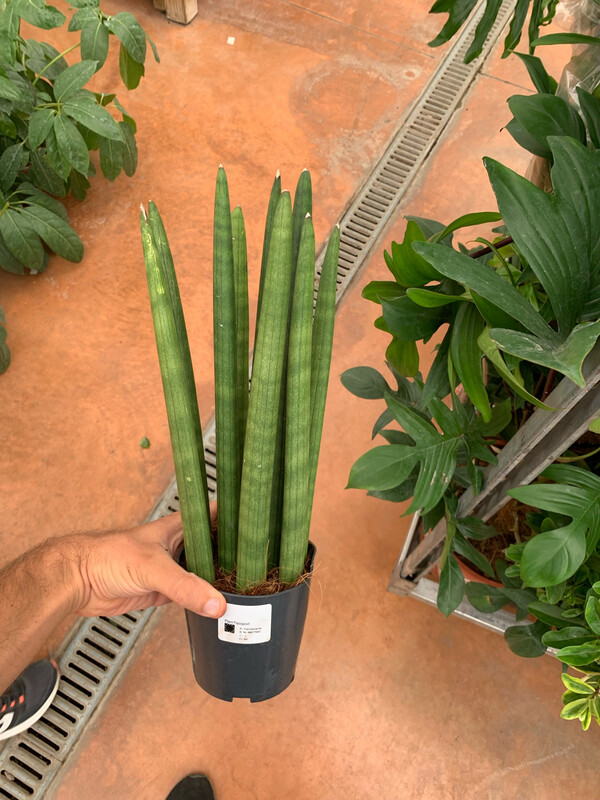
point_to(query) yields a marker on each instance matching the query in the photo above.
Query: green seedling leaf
(577, 685)
(566, 637)
(376, 290)
(89, 113)
(566, 358)
(72, 79)
(592, 614)
(579, 655)
(543, 82)
(452, 587)
(552, 557)
(95, 41)
(130, 33)
(145, 443)
(131, 70)
(565, 38)
(467, 221)
(365, 382)
(526, 640)
(575, 709)
(458, 12)
(382, 468)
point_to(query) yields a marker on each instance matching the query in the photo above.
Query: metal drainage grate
(99, 649)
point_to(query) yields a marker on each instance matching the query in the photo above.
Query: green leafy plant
(540, 13)
(49, 124)
(267, 438)
(554, 581)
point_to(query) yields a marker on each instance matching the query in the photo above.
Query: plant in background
(540, 12)
(267, 439)
(517, 312)
(49, 124)
(555, 578)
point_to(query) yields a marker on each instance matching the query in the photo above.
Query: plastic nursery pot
(251, 651)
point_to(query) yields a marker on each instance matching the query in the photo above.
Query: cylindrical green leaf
(182, 425)
(240, 273)
(302, 207)
(226, 420)
(322, 343)
(273, 200)
(295, 522)
(263, 409)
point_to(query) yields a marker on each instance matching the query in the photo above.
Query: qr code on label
(229, 627)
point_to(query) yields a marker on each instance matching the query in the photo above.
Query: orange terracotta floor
(391, 701)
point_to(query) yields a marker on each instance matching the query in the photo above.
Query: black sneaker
(194, 787)
(28, 698)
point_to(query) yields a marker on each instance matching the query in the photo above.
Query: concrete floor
(391, 701)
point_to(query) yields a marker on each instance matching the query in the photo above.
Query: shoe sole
(23, 726)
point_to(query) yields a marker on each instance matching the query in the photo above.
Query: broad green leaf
(7, 126)
(39, 198)
(130, 33)
(466, 550)
(579, 655)
(57, 233)
(458, 11)
(575, 709)
(486, 282)
(126, 117)
(412, 322)
(526, 640)
(91, 114)
(516, 26)
(407, 267)
(565, 38)
(131, 70)
(111, 158)
(552, 557)
(565, 637)
(551, 615)
(154, 50)
(475, 528)
(452, 587)
(8, 90)
(78, 184)
(382, 468)
(81, 18)
(40, 124)
(432, 299)
(467, 357)
(543, 82)
(70, 143)
(129, 151)
(44, 176)
(10, 164)
(575, 179)
(466, 221)
(484, 26)
(38, 14)
(437, 383)
(21, 240)
(592, 614)
(403, 357)
(543, 115)
(485, 598)
(84, 3)
(552, 246)
(501, 417)
(590, 108)
(8, 261)
(490, 349)
(365, 382)
(375, 290)
(94, 42)
(72, 79)
(566, 358)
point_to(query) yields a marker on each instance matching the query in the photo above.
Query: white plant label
(246, 624)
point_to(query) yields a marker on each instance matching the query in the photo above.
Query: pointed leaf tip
(277, 175)
(143, 211)
(307, 216)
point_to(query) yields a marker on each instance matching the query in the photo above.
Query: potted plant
(267, 438)
(519, 312)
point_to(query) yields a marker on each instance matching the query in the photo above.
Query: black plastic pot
(252, 650)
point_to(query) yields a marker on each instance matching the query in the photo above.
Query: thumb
(185, 588)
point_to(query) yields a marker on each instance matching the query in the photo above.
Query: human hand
(132, 570)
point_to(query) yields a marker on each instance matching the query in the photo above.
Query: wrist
(61, 572)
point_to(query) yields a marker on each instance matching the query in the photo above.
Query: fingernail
(211, 607)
